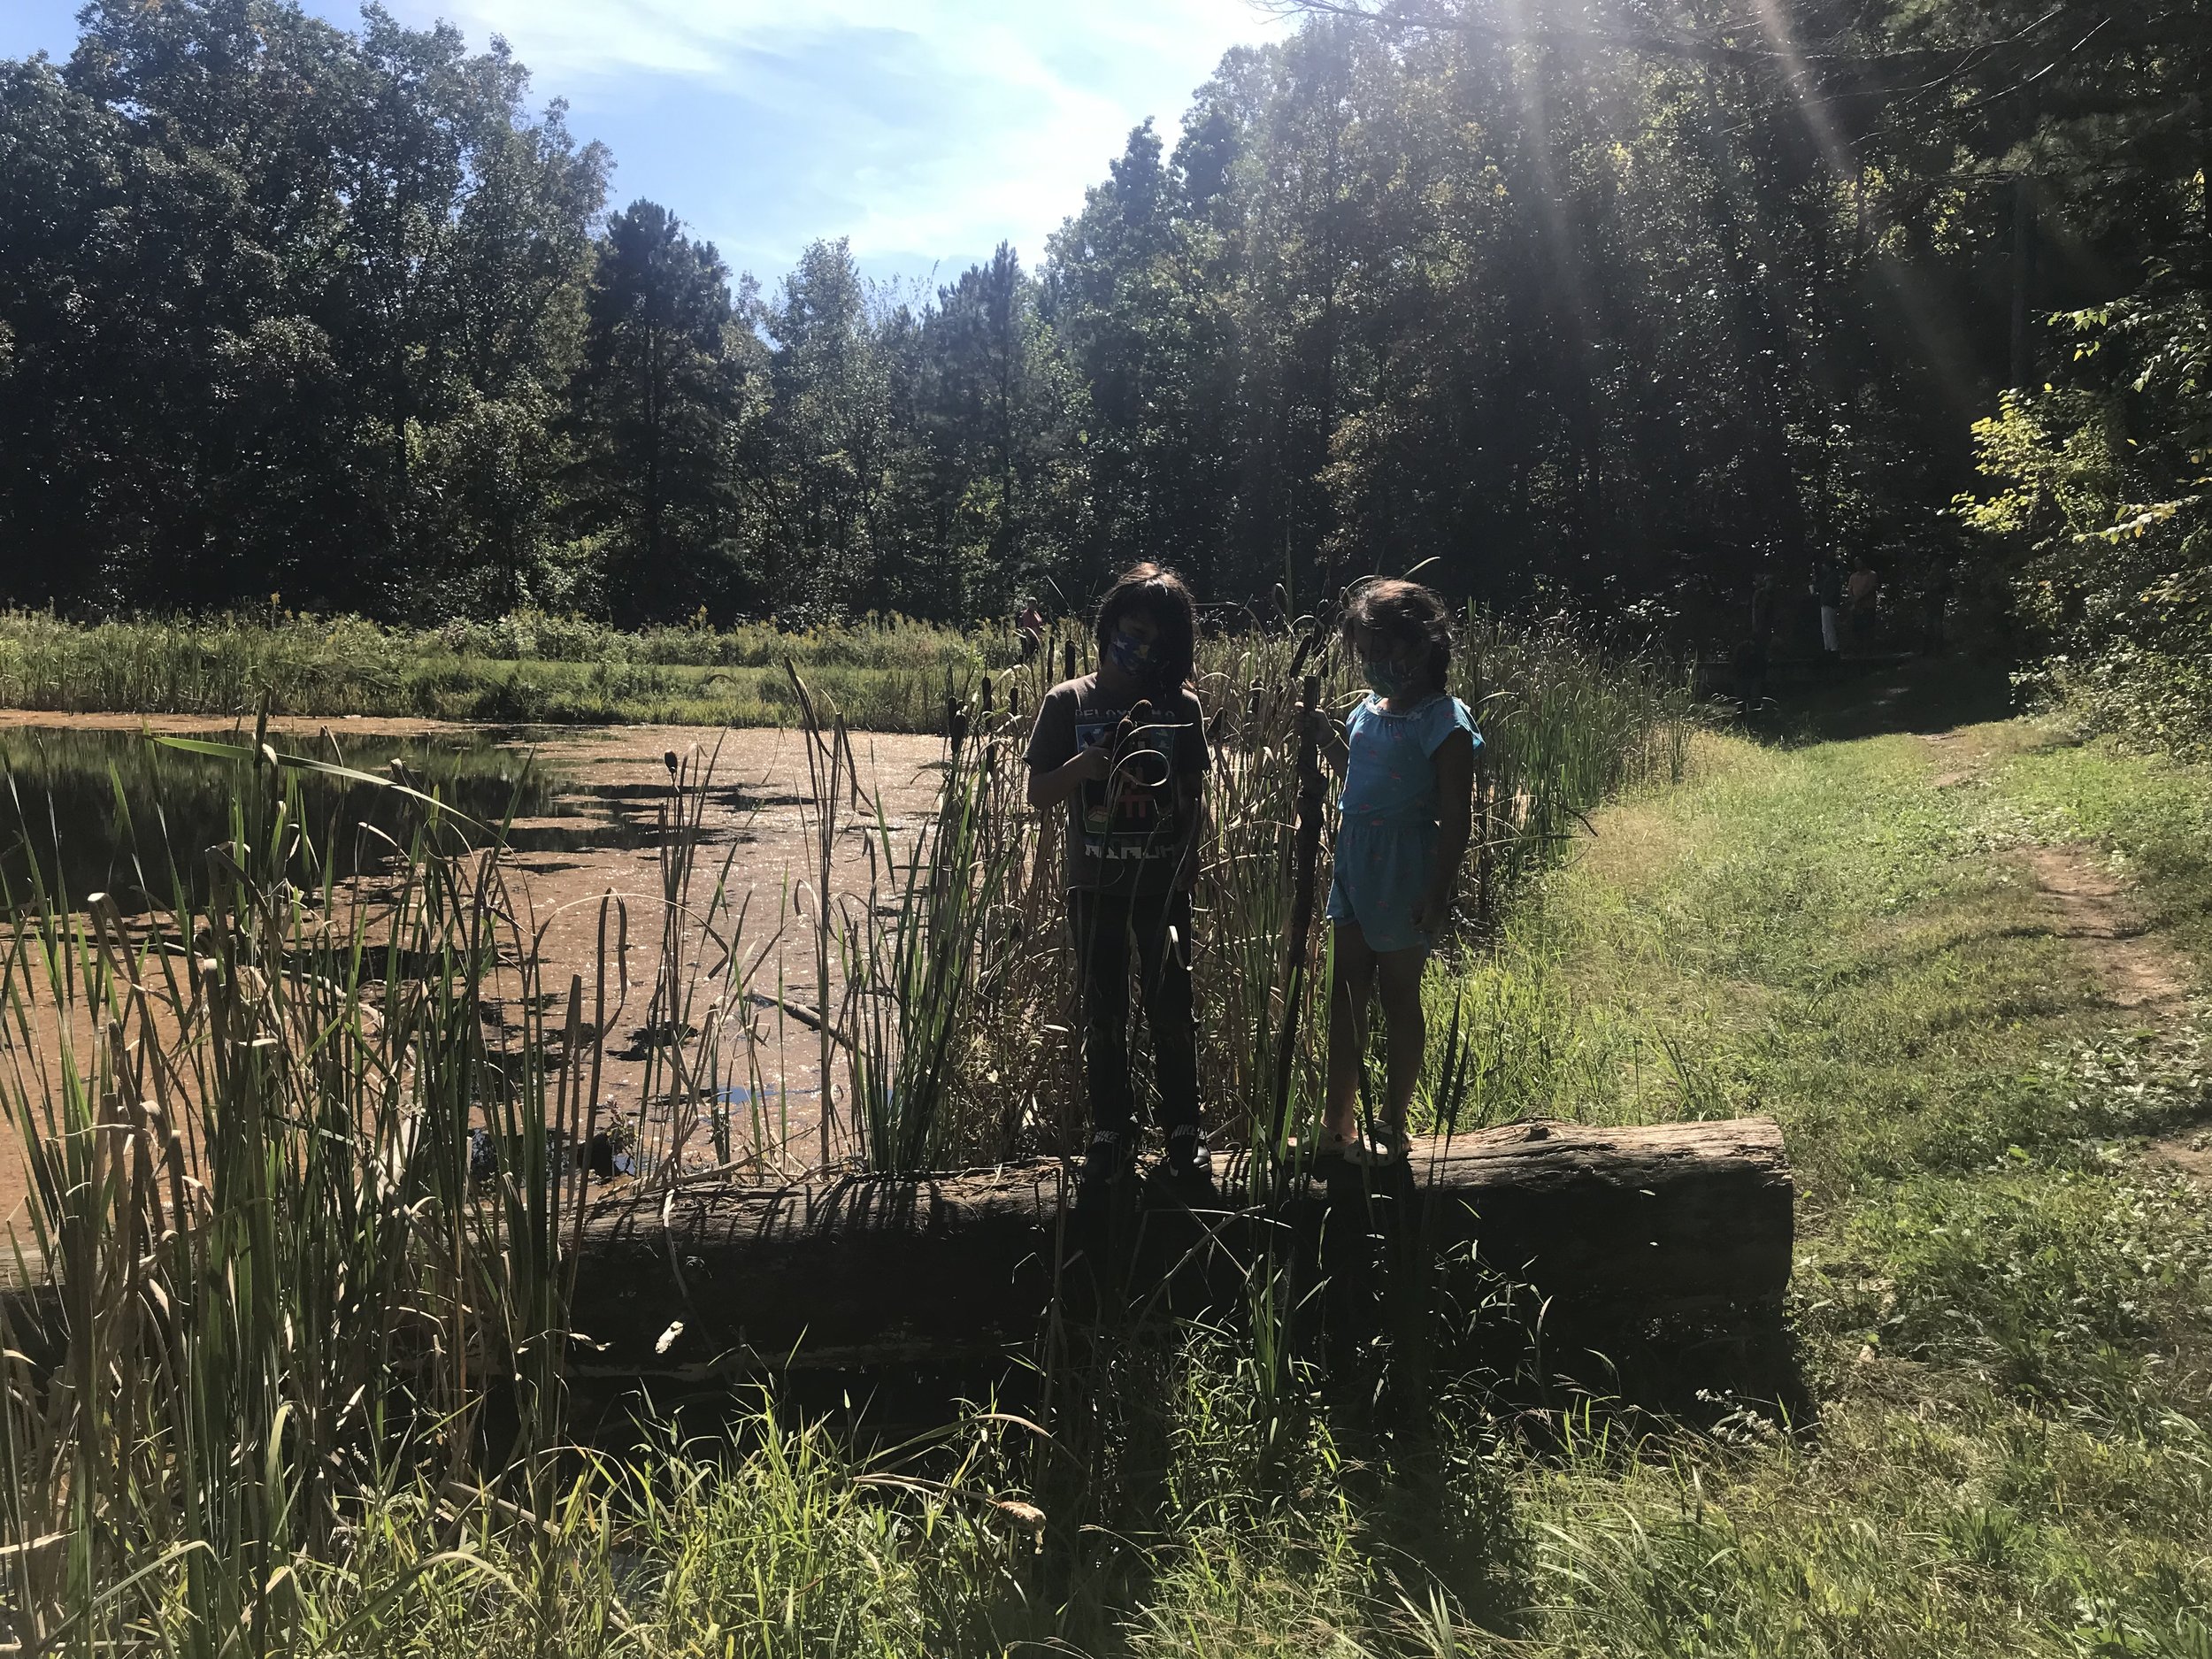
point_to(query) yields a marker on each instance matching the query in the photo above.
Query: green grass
(2007, 1312)
(885, 674)
(2004, 1305)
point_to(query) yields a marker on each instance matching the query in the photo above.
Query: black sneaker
(1111, 1156)
(1189, 1156)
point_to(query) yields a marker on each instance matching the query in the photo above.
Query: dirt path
(2090, 906)
(2140, 973)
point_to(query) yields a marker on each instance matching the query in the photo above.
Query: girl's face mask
(1134, 655)
(1383, 677)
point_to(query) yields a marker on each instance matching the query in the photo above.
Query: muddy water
(92, 799)
(88, 809)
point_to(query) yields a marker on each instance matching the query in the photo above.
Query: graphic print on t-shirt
(1131, 812)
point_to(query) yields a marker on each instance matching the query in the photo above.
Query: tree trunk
(2022, 275)
(719, 1280)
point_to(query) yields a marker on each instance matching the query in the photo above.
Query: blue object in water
(738, 1094)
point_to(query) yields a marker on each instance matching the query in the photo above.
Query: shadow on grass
(1183, 1505)
(1875, 697)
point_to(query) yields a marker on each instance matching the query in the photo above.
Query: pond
(92, 811)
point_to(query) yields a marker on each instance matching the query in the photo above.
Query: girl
(1124, 750)
(1407, 756)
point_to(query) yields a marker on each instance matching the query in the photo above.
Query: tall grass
(885, 673)
(1566, 723)
(966, 1046)
(278, 1275)
(307, 1179)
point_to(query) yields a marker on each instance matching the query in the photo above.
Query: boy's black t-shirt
(1138, 843)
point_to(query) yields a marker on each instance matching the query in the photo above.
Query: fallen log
(714, 1279)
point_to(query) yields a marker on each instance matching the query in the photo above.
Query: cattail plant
(303, 1210)
(250, 1125)
(909, 965)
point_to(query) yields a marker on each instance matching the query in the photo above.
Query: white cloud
(915, 127)
(690, 36)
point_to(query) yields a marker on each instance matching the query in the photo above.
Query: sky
(927, 131)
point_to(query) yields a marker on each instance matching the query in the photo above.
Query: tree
(1615, 305)
(1001, 418)
(252, 264)
(657, 402)
(468, 240)
(1123, 297)
(833, 435)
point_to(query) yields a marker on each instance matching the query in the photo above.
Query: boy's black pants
(1104, 923)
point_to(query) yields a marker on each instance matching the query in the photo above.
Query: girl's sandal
(1330, 1145)
(1385, 1146)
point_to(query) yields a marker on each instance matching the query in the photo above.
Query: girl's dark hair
(1156, 592)
(1408, 614)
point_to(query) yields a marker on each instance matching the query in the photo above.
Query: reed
(255, 1127)
(957, 1032)
(304, 1138)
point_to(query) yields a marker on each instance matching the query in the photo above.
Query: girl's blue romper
(1387, 840)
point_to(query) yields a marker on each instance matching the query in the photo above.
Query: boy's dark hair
(1407, 613)
(1153, 591)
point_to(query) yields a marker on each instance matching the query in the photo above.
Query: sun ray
(1939, 336)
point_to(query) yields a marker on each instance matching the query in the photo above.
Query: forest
(1606, 307)
(548, 1057)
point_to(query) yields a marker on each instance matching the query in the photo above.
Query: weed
(305, 1219)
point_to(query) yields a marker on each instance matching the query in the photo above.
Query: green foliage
(2102, 514)
(886, 674)
(1616, 314)
(312, 295)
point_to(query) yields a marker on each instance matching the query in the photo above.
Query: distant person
(1407, 755)
(1935, 604)
(1863, 591)
(1749, 664)
(1031, 625)
(1125, 748)
(1763, 609)
(1827, 591)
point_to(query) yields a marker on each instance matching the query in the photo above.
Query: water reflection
(113, 810)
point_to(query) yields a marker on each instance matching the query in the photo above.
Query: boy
(1125, 748)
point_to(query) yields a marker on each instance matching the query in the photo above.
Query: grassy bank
(2006, 1305)
(889, 675)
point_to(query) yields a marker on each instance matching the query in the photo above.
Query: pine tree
(656, 401)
